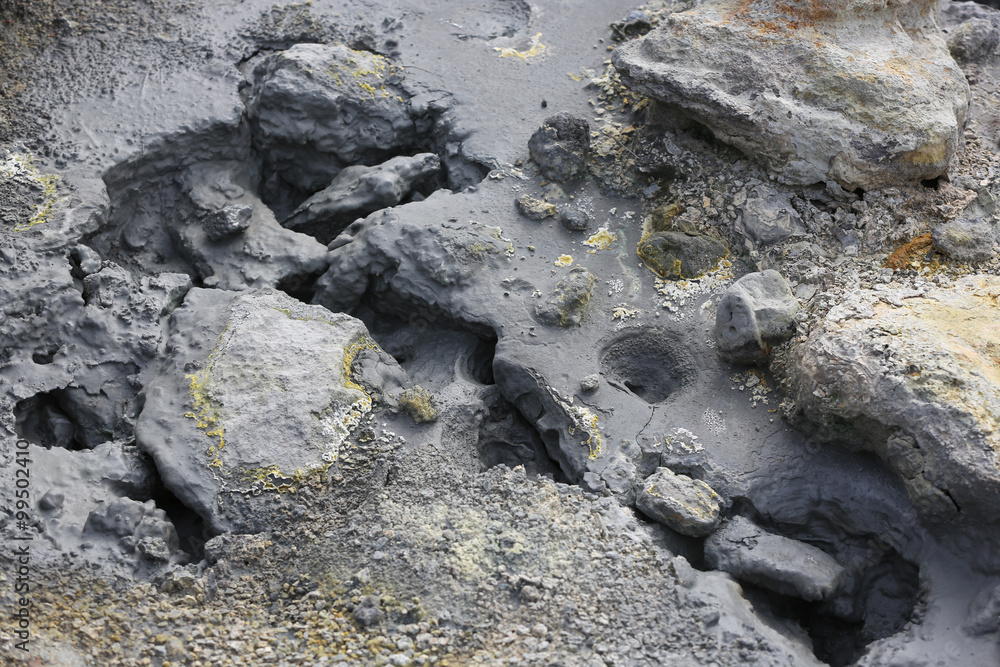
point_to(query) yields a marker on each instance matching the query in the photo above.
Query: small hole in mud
(652, 364)
(44, 355)
(192, 531)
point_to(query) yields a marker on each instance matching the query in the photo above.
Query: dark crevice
(44, 355)
(875, 601)
(43, 420)
(300, 287)
(192, 530)
(932, 183)
(507, 438)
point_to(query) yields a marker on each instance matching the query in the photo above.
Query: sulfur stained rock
(568, 303)
(678, 255)
(686, 505)
(258, 394)
(535, 209)
(863, 93)
(914, 378)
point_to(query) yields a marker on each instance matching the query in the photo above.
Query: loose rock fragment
(568, 303)
(770, 561)
(560, 147)
(768, 216)
(535, 209)
(227, 221)
(686, 505)
(974, 41)
(756, 312)
(359, 190)
(677, 255)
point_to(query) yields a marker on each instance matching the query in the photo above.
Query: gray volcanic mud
(407, 333)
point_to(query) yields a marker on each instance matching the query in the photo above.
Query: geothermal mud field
(492, 333)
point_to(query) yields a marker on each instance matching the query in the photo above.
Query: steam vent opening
(651, 364)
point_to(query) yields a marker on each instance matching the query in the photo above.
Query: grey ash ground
(407, 333)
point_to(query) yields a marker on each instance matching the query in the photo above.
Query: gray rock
(974, 40)
(359, 190)
(770, 561)
(258, 394)
(568, 303)
(678, 255)
(317, 108)
(591, 383)
(756, 312)
(984, 613)
(368, 612)
(768, 216)
(560, 147)
(227, 221)
(574, 218)
(965, 240)
(137, 524)
(535, 209)
(686, 505)
(779, 88)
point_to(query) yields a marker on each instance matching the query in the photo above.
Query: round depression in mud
(651, 363)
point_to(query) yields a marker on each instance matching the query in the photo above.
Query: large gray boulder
(256, 395)
(863, 93)
(786, 566)
(756, 312)
(914, 379)
(317, 108)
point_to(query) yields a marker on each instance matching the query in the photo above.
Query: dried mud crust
(105, 38)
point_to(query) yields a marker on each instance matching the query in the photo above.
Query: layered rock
(862, 93)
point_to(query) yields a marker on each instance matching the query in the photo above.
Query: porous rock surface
(317, 108)
(862, 93)
(506, 530)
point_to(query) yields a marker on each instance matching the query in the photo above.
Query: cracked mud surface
(300, 378)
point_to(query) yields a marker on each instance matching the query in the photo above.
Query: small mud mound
(652, 364)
